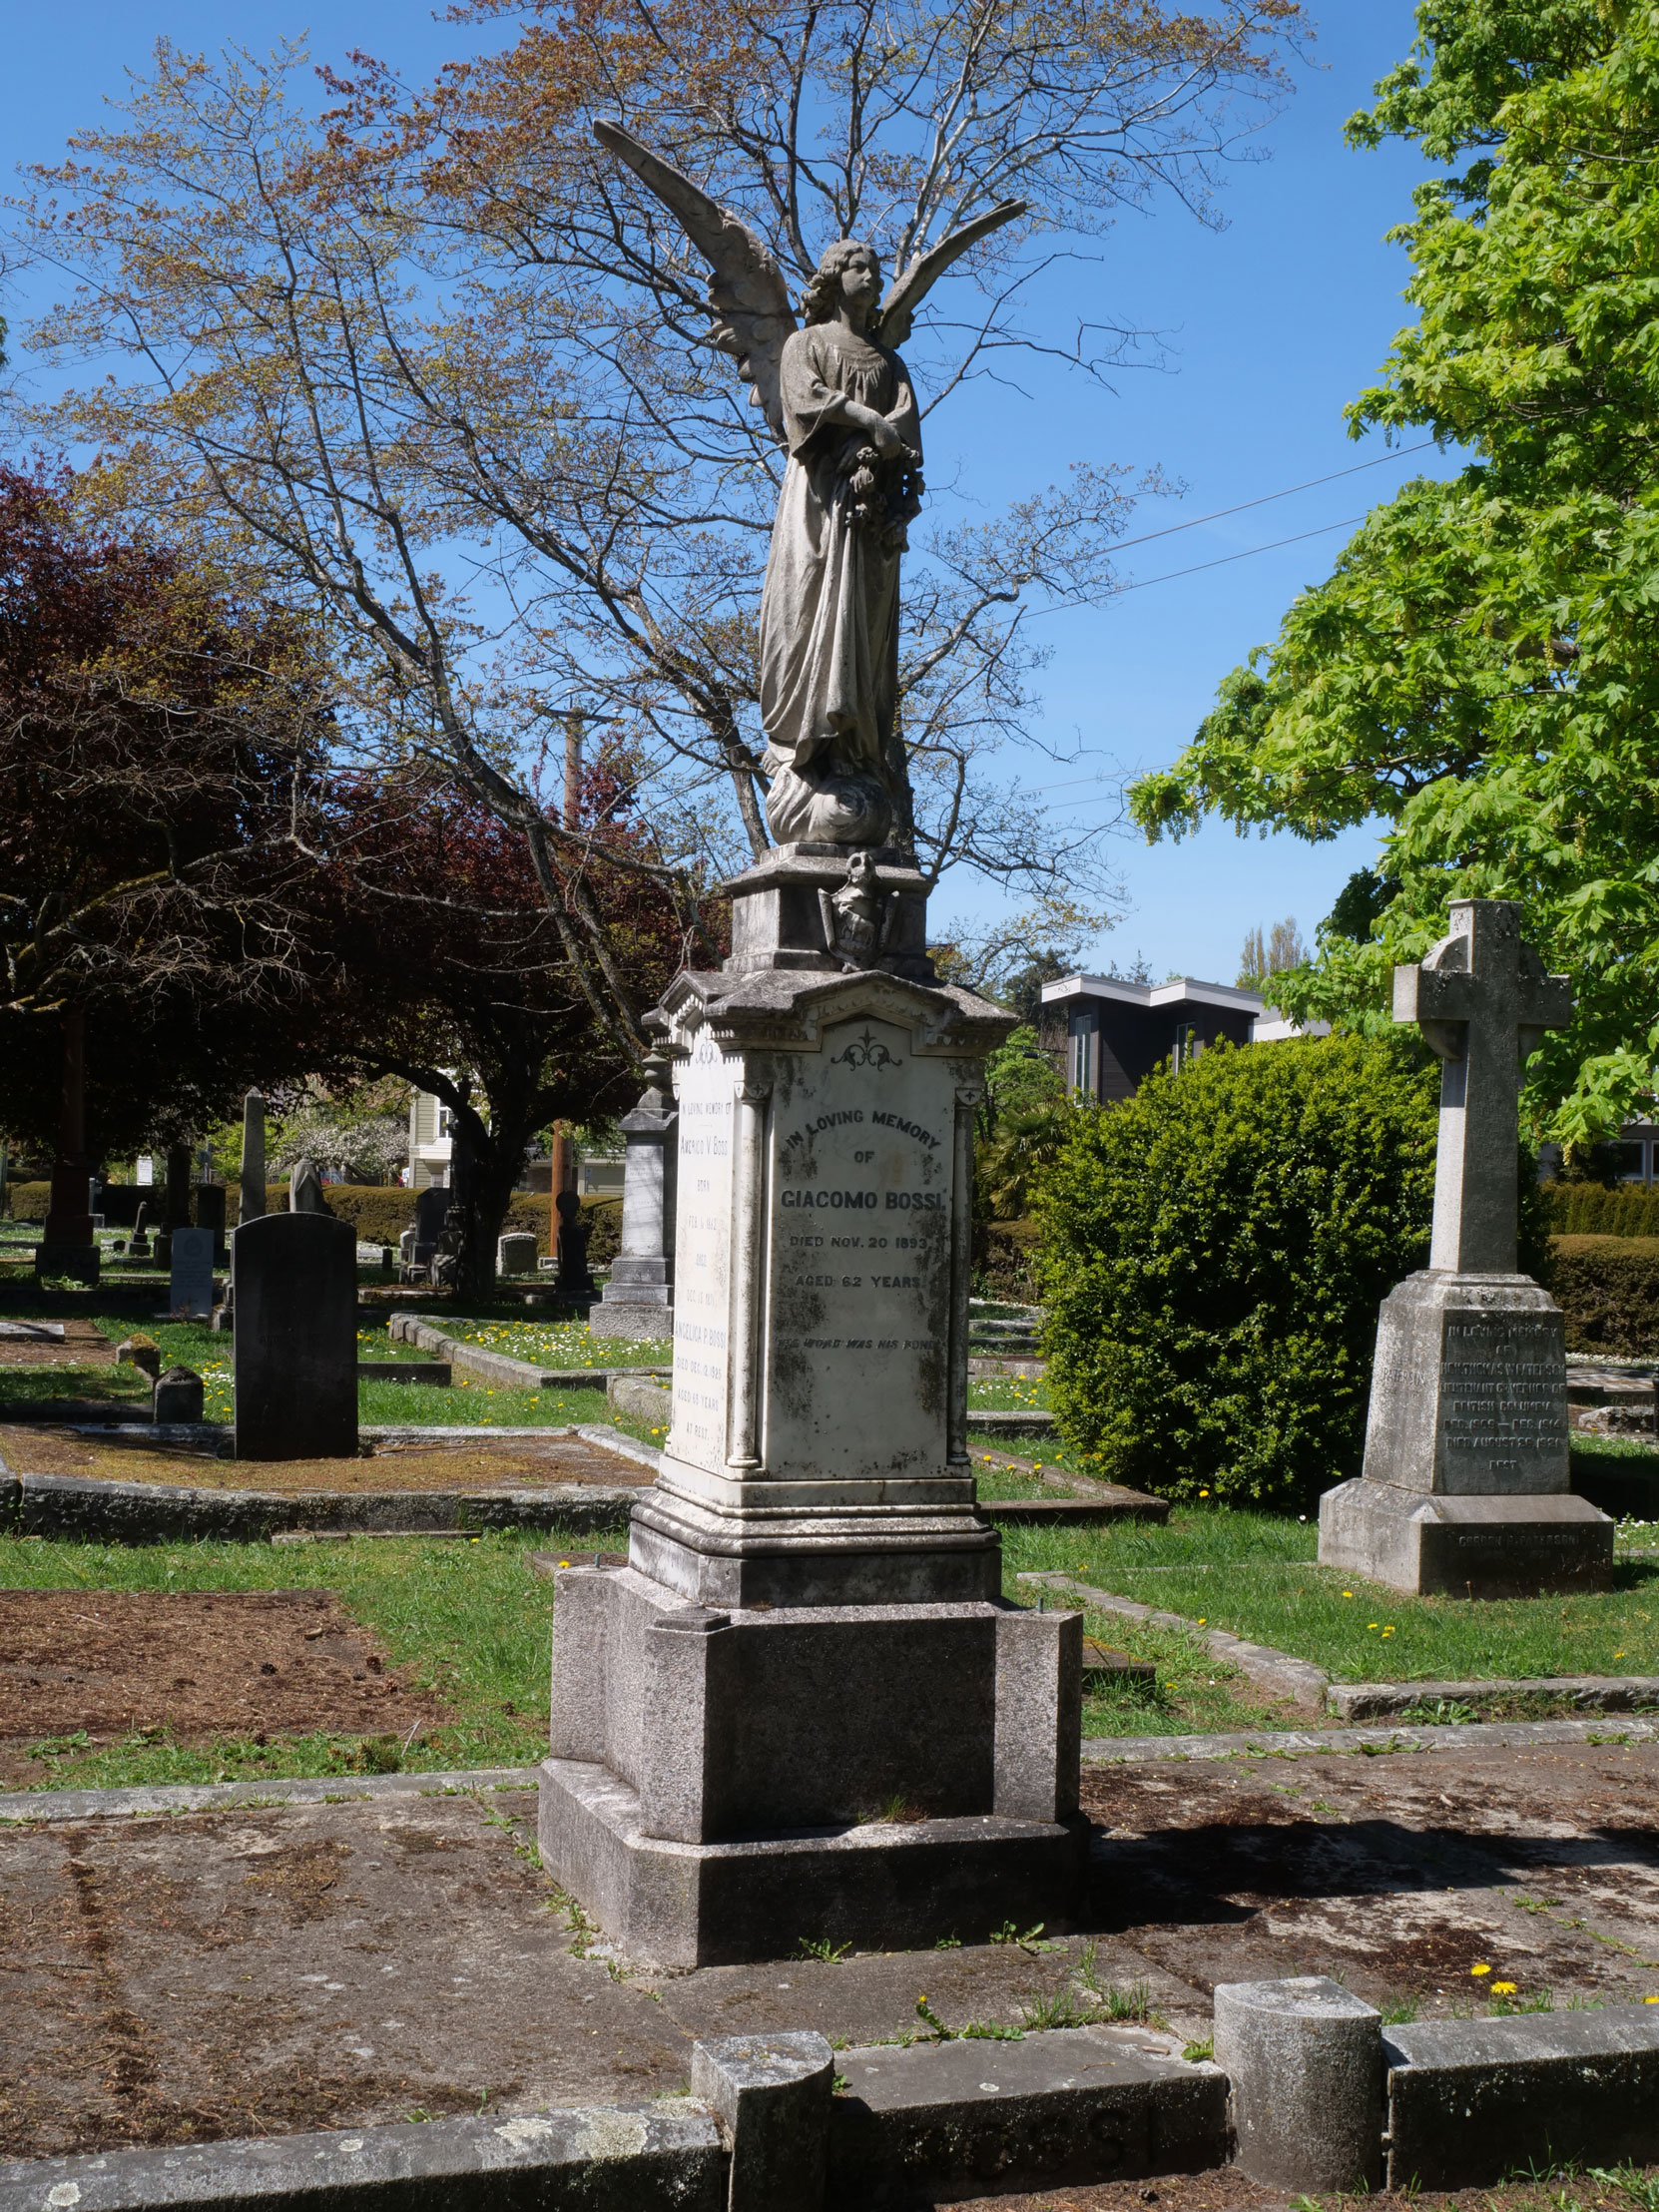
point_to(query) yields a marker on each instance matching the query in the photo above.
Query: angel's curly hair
(817, 301)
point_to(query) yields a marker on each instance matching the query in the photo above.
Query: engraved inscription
(860, 1260)
(1503, 1397)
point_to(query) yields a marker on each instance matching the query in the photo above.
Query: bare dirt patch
(249, 1663)
(268, 1968)
(81, 1345)
(513, 1464)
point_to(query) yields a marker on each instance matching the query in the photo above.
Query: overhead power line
(1268, 497)
(1324, 530)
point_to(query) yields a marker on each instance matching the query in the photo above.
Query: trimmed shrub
(1215, 1251)
(1594, 1210)
(28, 1201)
(1608, 1288)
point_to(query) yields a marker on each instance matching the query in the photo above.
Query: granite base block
(1470, 2102)
(1439, 1545)
(1065, 2108)
(642, 1324)
(879, 1886)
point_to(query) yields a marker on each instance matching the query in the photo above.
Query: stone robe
(829, 607)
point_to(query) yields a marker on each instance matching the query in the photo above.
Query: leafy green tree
(1481, 674)
(1021, 1123)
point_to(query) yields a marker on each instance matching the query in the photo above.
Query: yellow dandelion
(1347, 1593)
(564, 1563)
(1503, 1988)
(1481, 1969)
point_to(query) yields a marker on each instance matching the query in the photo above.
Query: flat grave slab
(268, 1968)
(387, 1463)
(239, 1663)
(45, 1343)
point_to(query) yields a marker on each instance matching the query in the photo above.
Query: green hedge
(1608, 1288)
(1215, 1251)
(1590, 1209)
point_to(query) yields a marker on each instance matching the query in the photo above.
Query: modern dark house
(1116, 1033)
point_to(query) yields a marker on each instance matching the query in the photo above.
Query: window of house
(1083, 1061)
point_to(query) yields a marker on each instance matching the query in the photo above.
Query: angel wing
(746, 285)
(907, 291)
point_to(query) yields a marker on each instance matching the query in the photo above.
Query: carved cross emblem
(1483, 1002)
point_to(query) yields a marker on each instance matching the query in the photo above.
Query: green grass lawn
(1256, 1576)
(467, 1617)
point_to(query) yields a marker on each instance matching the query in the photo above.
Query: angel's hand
(884, 437)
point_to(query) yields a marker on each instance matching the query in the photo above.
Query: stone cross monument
(1466, 1486)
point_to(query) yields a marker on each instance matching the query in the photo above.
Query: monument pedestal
(725, 1784)
(1466, 1483)
(803, 1708)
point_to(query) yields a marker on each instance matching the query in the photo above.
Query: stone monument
(638, 1301)
(432, 1209)
(295, 1363)
(210, 1215)
(250, 1187)
(305, 1194)
(68, 1244)
(1465, 1489)
(515, 1252)
(572, 1281)
(804, 1707)
(191, 1275)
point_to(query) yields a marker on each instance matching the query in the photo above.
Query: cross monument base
(1466, 1483)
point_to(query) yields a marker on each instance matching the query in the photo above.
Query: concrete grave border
(1313, 2094)
(1301, 1680)
(91, 1508)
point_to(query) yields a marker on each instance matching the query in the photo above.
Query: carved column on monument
(1466, 1488)
(639, 1298)
(811, 1627)
(68, 1244)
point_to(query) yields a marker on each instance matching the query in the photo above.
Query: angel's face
(861, 279)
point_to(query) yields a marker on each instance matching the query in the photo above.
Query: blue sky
(1270, 327)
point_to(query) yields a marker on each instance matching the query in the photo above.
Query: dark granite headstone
(296, 1337)
(209, 1214)
(573, 1282)
(432, 1209)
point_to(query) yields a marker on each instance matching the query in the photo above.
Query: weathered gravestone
(306, 1190)
(251, 1183)
(138, 1245)
(516, 1253)
(191, 1278)
(638, 1301)
(177, 1396)
(210, 1215)
(573, 1282)
(1467, 1483)
(432, 1211)
(296, 1361)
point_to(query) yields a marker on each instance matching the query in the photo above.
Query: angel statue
(840, 399)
